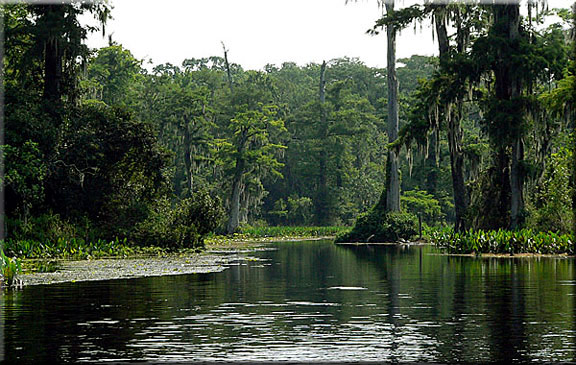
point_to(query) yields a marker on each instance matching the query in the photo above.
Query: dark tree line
(477, 137)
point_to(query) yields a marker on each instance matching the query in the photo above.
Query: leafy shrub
(185, 225)
(46, 228)
(378, 226)
(551, 210)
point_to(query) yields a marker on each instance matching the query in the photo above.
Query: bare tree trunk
(230, 83)
(393, 175)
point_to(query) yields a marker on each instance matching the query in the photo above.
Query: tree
(391, 197)
(251, 148)
(111, 75)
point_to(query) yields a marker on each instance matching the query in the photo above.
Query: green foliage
(47, 228)
(502, 241)
(182, 226)
(378, 226)
(297, 211)
(133, 169)
(419, 202)
(552, 204)
(24, 177)
(9, 269)
(109, 169)
(73, 248)
(111, 74)
(291, 231)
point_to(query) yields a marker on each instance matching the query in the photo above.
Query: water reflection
(2, 316)
(310, 301)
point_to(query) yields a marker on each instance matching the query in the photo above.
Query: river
(307, 301)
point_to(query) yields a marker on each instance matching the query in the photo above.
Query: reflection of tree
(389, 263)
(471, 309)
(2, 316)
(505, 301)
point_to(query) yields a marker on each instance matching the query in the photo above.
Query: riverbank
(219, 254)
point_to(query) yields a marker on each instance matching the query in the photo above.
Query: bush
(185, 225)
(46, 228)
(378, 226)
(551, 209)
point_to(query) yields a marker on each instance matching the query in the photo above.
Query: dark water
(309, 301)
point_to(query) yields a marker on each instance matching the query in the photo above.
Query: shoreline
(217, 256)
(212, 260)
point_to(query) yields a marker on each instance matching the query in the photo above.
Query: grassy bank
(16, 252)
(274, 233)
(292, 232)
(501, 241)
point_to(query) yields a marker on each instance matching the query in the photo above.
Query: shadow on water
(308, 301)
(487, 309)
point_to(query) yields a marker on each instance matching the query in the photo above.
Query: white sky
(258, 32)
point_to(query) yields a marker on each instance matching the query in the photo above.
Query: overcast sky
(258, 32)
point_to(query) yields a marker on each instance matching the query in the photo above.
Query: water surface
(308, 301)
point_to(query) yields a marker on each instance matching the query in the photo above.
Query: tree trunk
(322, 206)
(392, 175)
(457, 169)
(431, 165)
(454, 130)
(188, 160)
(52, 70)
(516, 185)
(244, 206)
(234, 218)
(230, 83)
(508, 88)
(53, 54)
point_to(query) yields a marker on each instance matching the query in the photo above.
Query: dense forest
(100, 145)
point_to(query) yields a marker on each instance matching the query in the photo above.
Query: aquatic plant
(502, 241)
(74, 248)
(9, 269)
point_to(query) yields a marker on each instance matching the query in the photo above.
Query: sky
(259, 32)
